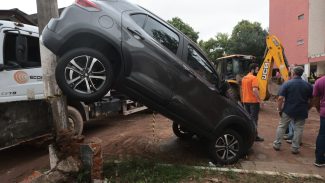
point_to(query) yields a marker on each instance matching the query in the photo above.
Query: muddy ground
(147, 136)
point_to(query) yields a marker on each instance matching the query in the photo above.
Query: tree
(248, 38)
(215, 47)
(185, 28)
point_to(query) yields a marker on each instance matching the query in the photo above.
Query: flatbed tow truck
(24, 112)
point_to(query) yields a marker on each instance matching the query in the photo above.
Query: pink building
(300, 26)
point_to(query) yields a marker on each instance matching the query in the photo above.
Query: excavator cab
(233, 68)
(229, 67)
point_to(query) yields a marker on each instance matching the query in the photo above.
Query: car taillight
(88, 5)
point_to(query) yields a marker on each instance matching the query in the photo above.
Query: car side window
(197, 62)
(162, 34)
(139, 19)
(21, 51)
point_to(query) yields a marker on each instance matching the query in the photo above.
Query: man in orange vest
(250, 94)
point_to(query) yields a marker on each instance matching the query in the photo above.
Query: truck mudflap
(24, 121)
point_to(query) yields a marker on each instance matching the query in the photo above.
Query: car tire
(226, 148)
(181, 132)
(75, 121)
(84, 74)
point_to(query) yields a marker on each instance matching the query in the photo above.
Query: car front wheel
(227, 148)
(84, 74)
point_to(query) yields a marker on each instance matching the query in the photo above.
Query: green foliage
(185, 28)
(248, 38)
(232, 175)
(215, 47)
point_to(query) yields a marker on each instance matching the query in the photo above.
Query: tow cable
(153, 125)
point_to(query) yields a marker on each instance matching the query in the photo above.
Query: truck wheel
(181, 131)
(233, 94)
(84, 74)
(75, 121)
(226, 148)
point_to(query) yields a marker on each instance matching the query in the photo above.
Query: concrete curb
(237, 170)
(297, 175)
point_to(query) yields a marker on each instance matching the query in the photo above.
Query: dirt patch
(147, 136)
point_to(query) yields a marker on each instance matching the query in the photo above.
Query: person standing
(250, 95)
(319, 101)
(296, 95)
(291, 126)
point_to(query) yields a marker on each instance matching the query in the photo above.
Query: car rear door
(150, 49)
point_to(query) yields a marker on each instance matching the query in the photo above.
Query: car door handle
(188, 70)
(136, 34)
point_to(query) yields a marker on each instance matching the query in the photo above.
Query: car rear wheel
(84, 74)
(227, 148)
(181, 131)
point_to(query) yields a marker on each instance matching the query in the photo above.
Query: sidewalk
(264, 158)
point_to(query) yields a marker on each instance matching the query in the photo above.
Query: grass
(146, 171)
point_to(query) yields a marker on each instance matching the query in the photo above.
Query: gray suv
(104, 44)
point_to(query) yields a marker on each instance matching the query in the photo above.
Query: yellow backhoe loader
(233, 67)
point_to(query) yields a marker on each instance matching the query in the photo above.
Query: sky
(208, 17)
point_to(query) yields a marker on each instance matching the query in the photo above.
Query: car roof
(124, 5)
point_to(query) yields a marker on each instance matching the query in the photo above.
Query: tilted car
(105, 44)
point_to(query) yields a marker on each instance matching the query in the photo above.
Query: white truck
(24, 112)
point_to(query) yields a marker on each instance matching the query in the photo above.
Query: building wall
(292, 32)
(316, 38)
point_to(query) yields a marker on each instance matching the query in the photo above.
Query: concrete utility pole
(46, 9)
(91, 153)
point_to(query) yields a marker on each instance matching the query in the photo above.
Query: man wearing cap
(296, 95)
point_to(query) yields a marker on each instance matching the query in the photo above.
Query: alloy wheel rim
(85, 74)
(227, 147)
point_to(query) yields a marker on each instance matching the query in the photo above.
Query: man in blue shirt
(296, 95)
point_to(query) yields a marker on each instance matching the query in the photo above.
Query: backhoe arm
(274, 55)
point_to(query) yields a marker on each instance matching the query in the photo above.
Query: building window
(301, 17)
(300, 42)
